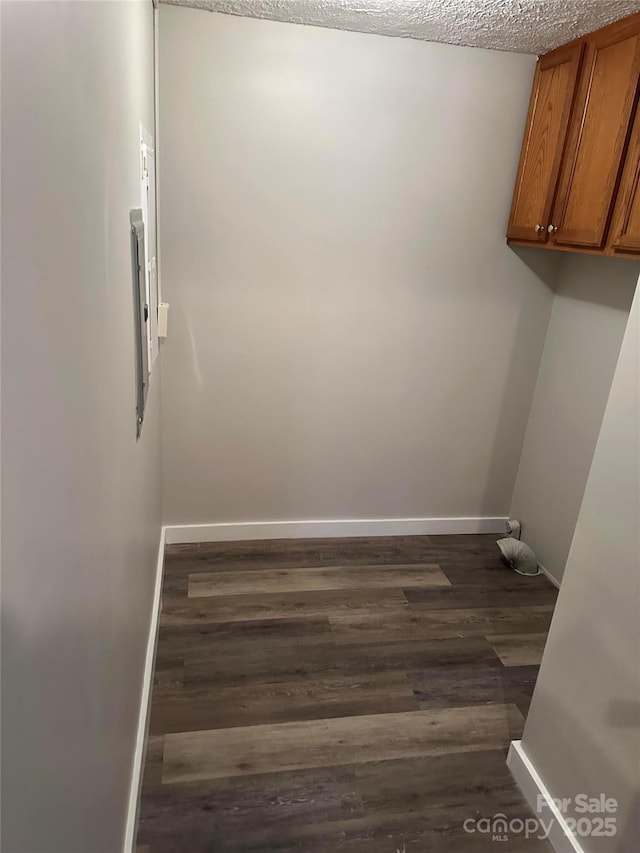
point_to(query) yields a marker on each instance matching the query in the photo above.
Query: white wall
(583, 729)
(350, 335)
(588, 320)
(80, 498)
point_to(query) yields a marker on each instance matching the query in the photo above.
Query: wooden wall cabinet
(625, 229)
(552, 97)
(577, 184)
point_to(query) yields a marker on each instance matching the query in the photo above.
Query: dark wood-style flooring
(339, 695)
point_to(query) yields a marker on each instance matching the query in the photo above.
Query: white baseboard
(137, 769)
(246, 530)
(528, 780)
(549, 576)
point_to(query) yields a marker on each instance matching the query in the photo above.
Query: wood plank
(471, 571)
(511, 593)
(407, 839)
(433, 783)
(174, 586)
(436, 793)
(235, 556)
(283, 553)
(305, 698)
(376, 626)
(467, 542)
(168, 676)
(286, 663)
(312, 604)
(519, 649)
(208, 584)
(488, 683)
(152, 773)
(347, 740)
(260, 812)
(204, 640)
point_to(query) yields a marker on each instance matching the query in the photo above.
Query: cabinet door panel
(552, 97)
(625, 229)
(597, 138)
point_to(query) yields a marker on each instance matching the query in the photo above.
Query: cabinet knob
(539, 228)
(552, 229)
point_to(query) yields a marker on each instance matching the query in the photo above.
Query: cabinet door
(554, 87)
(625, 228)
(597, 136)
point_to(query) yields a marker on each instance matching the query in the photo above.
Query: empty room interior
(320, 346)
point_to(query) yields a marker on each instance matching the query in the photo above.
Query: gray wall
(80, 498)
(588, 320)
(350, 336)
(583, 729)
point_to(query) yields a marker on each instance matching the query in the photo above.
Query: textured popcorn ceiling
(526, 26)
